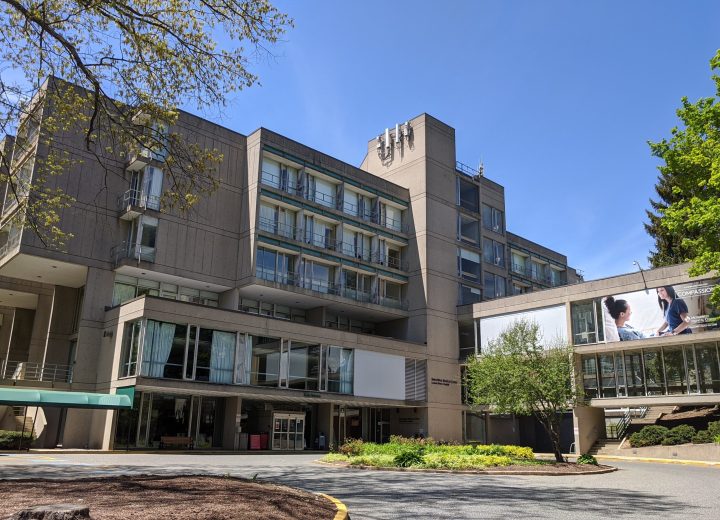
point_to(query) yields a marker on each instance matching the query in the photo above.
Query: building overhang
(656, 400)
(56, 399)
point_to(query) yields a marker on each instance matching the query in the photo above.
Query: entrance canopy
(51, 398)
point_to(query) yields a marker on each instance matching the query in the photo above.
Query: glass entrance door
(288, 431)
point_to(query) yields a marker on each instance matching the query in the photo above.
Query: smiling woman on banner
(675, 312)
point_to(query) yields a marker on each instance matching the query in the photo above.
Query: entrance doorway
(288, 431)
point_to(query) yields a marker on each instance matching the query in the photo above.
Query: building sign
(660, 311)
(442, 382)
(552, 322)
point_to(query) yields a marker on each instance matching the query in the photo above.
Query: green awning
(52, 398)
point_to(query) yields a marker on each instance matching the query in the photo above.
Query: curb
(599, 471)
(342, 510)
(661, 461)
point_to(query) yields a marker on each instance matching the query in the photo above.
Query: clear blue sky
(558, 99)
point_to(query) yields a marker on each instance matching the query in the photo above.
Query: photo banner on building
(661, 311)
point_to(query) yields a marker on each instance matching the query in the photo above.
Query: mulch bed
(153, 497)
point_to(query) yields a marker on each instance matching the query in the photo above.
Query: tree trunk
(551, 423)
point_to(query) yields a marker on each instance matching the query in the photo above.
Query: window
(538, 271)
(321, 191)
(468, 195)
(350, 203)
(587, 322)
(519, 264)
(128, 287)
(468, 229)
(265, 363)
(468, 264)
(271, 173)
(130, 348)
(493, 252)
(303, 366)
(274, 266)
(337, 367)
(146, 187)
(319, 277)
(468, 338)
(319, 233)
(494, 286)
(391, 293)
(143, 233)
(390, 217)
(469, 294)
(492, 219)
(556, 277)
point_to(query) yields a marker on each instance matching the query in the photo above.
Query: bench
(166, 441)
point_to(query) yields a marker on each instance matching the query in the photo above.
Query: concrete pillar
(37, 350)
(232, 422)
(588, 427)
(229, 300)
(8, 315)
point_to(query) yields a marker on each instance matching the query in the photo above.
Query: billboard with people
(659, 312)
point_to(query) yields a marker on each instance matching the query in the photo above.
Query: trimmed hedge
(702, 437)
(681, 434)
(10, 440)
(714, 428)
(648, 436)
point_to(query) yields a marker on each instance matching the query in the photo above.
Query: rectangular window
(469, 294)
(587, 322)
(350, 203)
(590, 377)
(468, 229)
(708, 368)
(271, 173)
(338, 369)
(519, 264)
(468, 195)
(265, 363)
(164, 350)
(492, 219)
(469, 264)
(494, 286)
(304, 366)
(493, 252)
(130, 348)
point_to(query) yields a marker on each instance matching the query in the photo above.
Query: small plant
(11, 440)
(716, 440)
(413, 457)
(702, 437)
(586, 458)
(648, 436)
(352, 447)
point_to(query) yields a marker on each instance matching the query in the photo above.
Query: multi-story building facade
(303, 302)
(623, 372)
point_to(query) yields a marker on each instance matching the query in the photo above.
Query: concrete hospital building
(305, 301)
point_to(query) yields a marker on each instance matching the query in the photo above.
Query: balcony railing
(132, 251)
(280, 183)
(138, 199)
(324, 199)
(350, 249)
(280, 229)
(12, 243)
(27, 371)
(327, 287)
(389, 261)
(353, 209)
(533, 274)
(320, 240)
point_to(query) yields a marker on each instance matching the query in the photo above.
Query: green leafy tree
(519, 375)
(127, 66)
(685, 222)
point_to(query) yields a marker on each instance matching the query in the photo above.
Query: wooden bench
(168, 440)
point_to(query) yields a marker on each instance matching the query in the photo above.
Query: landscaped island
(427, 454)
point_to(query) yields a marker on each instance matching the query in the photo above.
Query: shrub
(409, 458)
(10, 440)
(648, 436)
(702, 437)
(714, 428)
(587, 459)
(717, 439)
(380, 461)
(448, 461)
(351, 447)
(335, 457)
(679, 435)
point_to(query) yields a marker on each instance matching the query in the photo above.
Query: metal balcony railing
(350, 249)
(278, 228)
(27, 371)
(12, 243)
(132, 251)
(280, 183)
(320, 240)
(324, 199)
(138, 198)
(389, 261)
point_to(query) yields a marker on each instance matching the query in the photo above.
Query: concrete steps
(605, 447)
(653, 414)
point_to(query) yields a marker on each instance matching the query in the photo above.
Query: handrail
(30, 371)
(131, 250)
(467, 170)
(138, 198)
(279, 228)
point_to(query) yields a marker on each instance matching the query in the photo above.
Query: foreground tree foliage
(519, 375)
(685, 221)
(135, 62)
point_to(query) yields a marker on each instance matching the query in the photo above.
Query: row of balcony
(533, 274)
(330, 243)
(324, 287)
(332, 201)
(27, 371)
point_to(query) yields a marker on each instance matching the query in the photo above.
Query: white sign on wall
(551, 320)
(379, 375)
